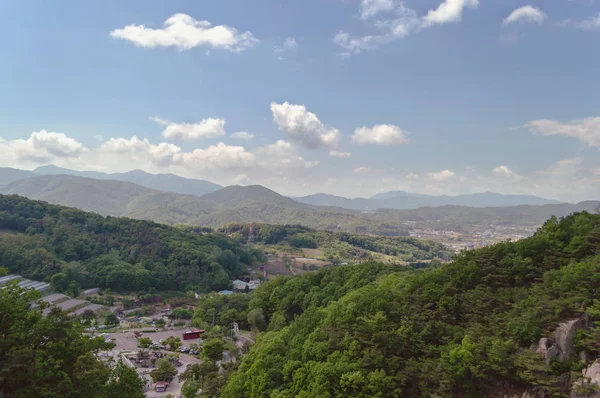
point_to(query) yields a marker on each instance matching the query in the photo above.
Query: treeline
(39, 240)
(464, 329)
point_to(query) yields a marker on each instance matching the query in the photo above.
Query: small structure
(239, 285)
(225, 292)
(89, 292)
(161, 386)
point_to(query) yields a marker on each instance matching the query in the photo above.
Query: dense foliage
(339, 246)
(50, 356)
(457, 330)
(39, 241)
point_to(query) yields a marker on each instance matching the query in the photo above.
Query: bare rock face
(533, 394)
(548, 350)
(560, 345)
(589, 385)
(564, 335)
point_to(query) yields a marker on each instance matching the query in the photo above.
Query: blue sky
(350, 97)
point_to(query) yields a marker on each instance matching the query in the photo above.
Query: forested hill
(39, 240)
(463, 329)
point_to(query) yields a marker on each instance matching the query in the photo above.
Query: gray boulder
(589, 385)
(564, 335)
(547, 349)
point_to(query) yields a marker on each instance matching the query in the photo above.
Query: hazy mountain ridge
(161, 182)
(401, 200)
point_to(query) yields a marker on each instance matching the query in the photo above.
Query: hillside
(230, 204)
(120, 253)
(401, 200)
(336, 247)
(8, 175)
(161, 182)
(465, 329)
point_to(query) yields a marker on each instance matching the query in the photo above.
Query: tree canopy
(458, 330)
(73, 249)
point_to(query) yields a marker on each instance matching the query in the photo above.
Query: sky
(348, 97)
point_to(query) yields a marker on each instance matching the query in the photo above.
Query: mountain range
(244, 204)
(406, 200)
(161, 182)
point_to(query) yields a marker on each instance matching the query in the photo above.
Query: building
(161, 386)
(225, 292)
(239, 285)
(89, 292)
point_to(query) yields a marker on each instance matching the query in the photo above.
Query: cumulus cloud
(448, 11)
(304, 127)
(382, 134)
(281, 155)
(41, 147)
(399, 22)
(338, 154)
(206, 128)
(586, 130)
(441, 175)
(217, 157)
(184, 32)
(242, 135)
(525, 14)
(141, 150)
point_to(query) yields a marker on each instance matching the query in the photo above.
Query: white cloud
(281, 155)
(206, 128)
(382, 134)
(41, 147)
(338, 154)
(216, 157)
(525, 14)
(586, 130)
(304, 127)
(587, 24)
(184, 32)
(401, 22)
(242, 135)
(362, 170)
(441, 175)
(448, 11)
(140, 150)
(370, 8)
(502, 171)
(288, 44)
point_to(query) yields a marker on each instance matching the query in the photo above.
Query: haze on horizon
(371, 96)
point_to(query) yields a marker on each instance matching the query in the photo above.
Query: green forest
(463, 329)
(80, 249)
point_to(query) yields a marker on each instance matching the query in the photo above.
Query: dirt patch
(276, 266)
(313, 253)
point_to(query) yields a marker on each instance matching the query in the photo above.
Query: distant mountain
(8, 175)
(231, 204)
(397, 194)
(161, 182)
(257, 204)
(323, 199)
(405, 200)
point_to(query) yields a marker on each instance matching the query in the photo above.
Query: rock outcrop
(589, 385)
(560, 345)
(564, 336)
